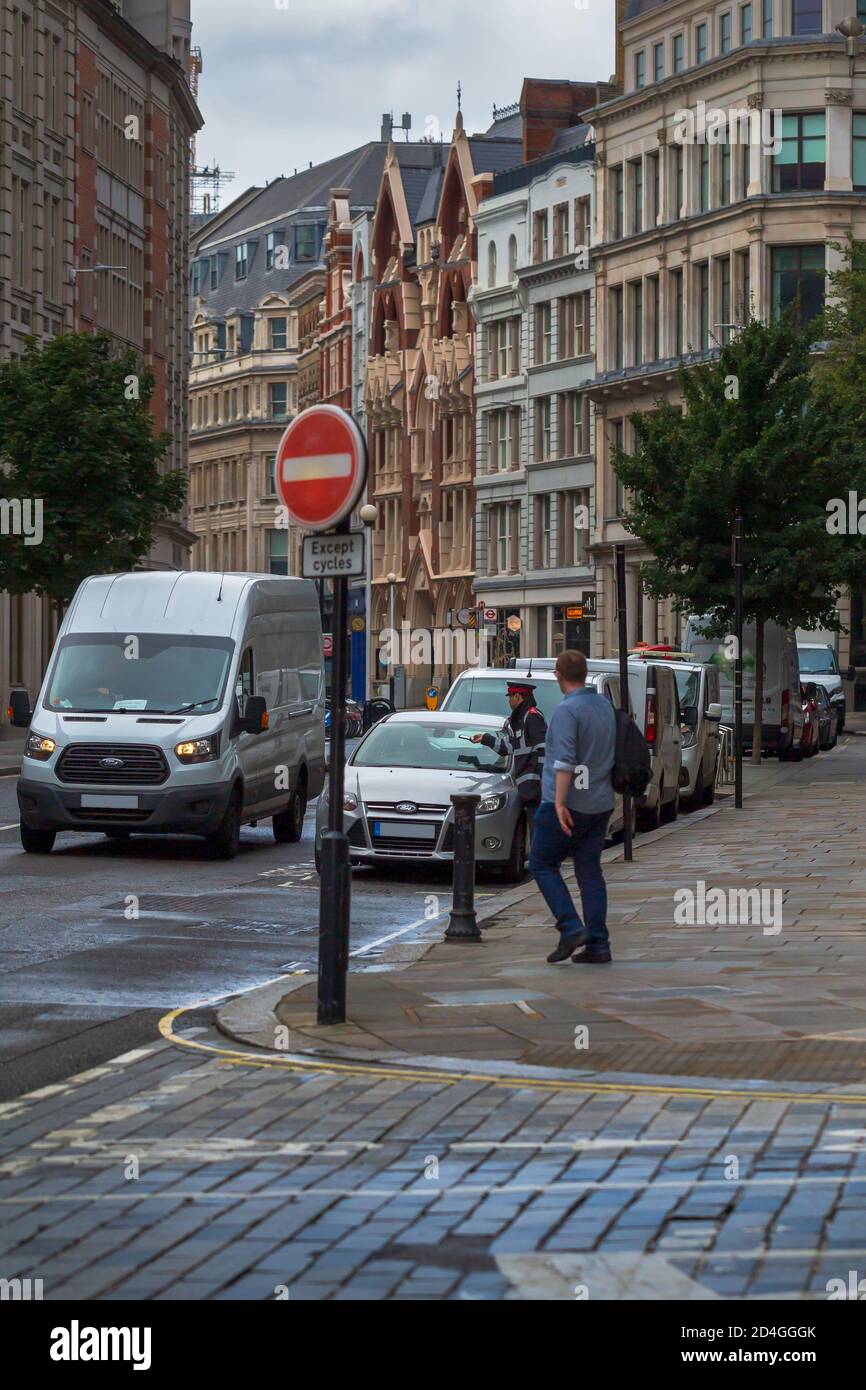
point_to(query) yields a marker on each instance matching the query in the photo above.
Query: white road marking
(14, 826)
(413, 926)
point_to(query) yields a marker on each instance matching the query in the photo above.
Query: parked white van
(818, 663)
(177, 704)
(782, 719)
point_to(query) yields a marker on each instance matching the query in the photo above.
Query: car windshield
(817, 661)
(689, 686)
(445, 747)
(490, 696)
(135, 674)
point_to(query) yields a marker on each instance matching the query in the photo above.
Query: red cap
(520, 688)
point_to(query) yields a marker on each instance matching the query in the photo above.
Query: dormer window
(241, 261)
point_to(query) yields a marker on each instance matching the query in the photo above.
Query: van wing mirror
(18, 711)
(255, 719)
(714, 712)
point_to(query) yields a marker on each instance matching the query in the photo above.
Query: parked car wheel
(696, 800)
(37, 841)
(226, 840)
(289, 824)
(514, 871)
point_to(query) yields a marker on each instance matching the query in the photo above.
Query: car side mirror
(850, 674)
(715, 712)
(18, 711)
(690, 717)
(256, 718)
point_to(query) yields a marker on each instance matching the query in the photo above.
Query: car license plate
(402, 830)
(109, 803)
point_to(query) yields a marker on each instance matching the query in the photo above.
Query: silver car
(398, 789)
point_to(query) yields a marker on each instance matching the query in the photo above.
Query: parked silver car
(398, 789)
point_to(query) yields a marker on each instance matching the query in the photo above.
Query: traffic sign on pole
(321, 467)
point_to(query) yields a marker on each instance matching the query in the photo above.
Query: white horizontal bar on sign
(316, 467)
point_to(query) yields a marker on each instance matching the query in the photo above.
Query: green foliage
(753, 434)
(73, 433)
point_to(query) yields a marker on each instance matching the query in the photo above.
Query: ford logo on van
(406, 808)
(111, 762)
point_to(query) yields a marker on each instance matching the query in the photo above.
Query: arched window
(491, 264)
(512, 257)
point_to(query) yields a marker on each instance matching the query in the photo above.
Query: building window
(636, 167)
(278, 552)
(658, 61)
(306, 242)
(503, 349)
(639, 69)
(800, 162)
(725, 191)
(679, 313)
(678, 47)
(512, 257)
(617, 191)
(491, 265)
(745, 302)
(543, 333)
(279, 400)
(560, 230)
(637, 323)
(616, 447)
(858, 171)
(271, 250)
(22, 61)
(582, 229)
(573, 409)
(241, 262)
(544, 533)
(725, 299)
(725, 33)
(214, 272)
(701, 43)
(746, 168)
(806, 16)
(279, 334)
(654, 318)
(503, 538)
(616, 325)
(503, 440)
(572, 540)
(543, 429)
(798, 281)
(766, 19)
(704, 306)
(540, 248)
(653, 176)
(679, 181)
(705, 178)
(745, 24)
(574, 325)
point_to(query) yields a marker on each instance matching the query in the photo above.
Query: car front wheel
(37, 841)
(514, 870)
(289, 824)
(226, 839)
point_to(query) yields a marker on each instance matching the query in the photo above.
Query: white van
(782, 718)
(818, 663)
(177, 704)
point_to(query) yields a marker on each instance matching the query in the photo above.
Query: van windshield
(817, 661)
(689, 687)
(138, 673)
(489, 695)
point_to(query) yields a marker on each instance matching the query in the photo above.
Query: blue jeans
(550, 846)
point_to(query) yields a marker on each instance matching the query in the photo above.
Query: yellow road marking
(401, 1072)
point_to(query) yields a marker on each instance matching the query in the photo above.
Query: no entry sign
(321, 467)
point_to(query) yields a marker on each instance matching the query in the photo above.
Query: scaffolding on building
(208, 180)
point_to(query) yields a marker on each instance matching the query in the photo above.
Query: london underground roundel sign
(321, 467)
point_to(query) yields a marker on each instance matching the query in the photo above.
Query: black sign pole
(335, 900)
(622, 614)
(738, 660)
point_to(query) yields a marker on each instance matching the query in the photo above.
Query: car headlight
(491, 804)
(199, 750)
(350, 802)
(689, 739)
(39, 747)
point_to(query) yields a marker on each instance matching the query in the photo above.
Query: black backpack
(632, 767)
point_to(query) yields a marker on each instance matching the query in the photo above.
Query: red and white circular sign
(321, 467)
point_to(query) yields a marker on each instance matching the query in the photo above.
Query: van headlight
(39, 747)
(199, 750)
(491, 804)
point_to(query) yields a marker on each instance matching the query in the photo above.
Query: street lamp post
(392, 602)
(369, 514)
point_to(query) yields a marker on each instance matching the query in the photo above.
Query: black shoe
(597, 957)
(567, 946)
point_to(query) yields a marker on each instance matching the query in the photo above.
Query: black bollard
(463, 925)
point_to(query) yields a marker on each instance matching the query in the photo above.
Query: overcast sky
(290, 81)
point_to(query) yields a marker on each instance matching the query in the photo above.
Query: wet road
(99, 939)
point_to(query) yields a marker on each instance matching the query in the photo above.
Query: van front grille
(128, 765)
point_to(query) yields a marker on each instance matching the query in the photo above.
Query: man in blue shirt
(577, 799)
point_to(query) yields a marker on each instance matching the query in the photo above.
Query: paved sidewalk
(778, 995)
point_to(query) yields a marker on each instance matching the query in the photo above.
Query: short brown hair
(572, 667)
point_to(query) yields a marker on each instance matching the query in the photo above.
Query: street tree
(749, 437)
(77, 438)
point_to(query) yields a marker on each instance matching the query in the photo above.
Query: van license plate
(109, 803)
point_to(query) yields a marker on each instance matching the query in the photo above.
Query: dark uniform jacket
(525, 737)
